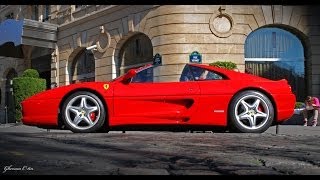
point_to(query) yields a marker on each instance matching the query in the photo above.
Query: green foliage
(30, 73)
(24, 87)
(299, 105)
(224, 64)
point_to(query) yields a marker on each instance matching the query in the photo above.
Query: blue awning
(15, 34)
(11, 31)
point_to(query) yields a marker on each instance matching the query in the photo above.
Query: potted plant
(299, 106)
(224, 64)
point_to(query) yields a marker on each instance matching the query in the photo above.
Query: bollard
(277, 129)
(6, 114)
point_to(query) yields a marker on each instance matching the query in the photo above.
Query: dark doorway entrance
(9, 98)
(42, 65)
(47, 76)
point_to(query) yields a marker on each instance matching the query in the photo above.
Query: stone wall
(7, 63)
(217, 32)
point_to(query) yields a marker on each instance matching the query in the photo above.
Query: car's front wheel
(251, 112)
(83, 112)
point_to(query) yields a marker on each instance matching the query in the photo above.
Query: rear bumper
(285, 104)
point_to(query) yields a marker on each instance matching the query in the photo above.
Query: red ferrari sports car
(201, 96)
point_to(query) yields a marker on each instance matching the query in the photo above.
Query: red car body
(186, 103)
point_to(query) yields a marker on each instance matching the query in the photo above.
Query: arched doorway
(135, 52)
(275, 53)
(82, 67)
(9, 98)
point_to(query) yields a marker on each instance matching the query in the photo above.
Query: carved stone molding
(221, 23)
(103, 40)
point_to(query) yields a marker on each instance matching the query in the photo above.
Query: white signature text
(12, 168)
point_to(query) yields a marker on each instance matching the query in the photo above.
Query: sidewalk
(20, 128)
(294, 130)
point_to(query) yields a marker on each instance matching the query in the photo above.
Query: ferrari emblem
(106, 86)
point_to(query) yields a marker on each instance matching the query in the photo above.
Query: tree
(26, 86)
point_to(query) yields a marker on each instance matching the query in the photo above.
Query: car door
(154, 102)
(215, 94)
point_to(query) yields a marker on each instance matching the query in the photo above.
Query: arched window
(46, 12)
(136, 51)
(83, 67)
(276, 54)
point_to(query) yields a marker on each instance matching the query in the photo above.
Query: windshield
(140, 72)
(145, 74)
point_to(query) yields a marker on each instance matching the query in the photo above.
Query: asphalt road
(295, 150)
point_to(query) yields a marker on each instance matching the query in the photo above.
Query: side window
(213, 76)
(186, 74)
(198, 73)
(203, 74)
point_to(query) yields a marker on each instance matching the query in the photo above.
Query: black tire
(250, 112)
(83, 112)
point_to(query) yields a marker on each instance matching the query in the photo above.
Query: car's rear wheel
(251, 112)
(83, 112)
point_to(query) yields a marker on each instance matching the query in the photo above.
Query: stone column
(27, 52)
(54, 68)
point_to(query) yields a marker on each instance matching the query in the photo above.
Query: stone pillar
(27, 52)
(2, 110)
(54, 68)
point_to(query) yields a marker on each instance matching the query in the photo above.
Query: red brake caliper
(93, 116)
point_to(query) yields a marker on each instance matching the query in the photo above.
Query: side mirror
(130, 74)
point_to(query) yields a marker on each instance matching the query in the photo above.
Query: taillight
(290, 88)
(286, 82)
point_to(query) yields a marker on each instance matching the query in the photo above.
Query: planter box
(298, 111)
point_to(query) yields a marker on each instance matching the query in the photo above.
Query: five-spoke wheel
(83, 112)
(251, 112)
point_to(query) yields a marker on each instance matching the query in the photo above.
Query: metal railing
(5, 115)
(4, 111)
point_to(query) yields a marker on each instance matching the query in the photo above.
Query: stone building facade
(127, 36)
